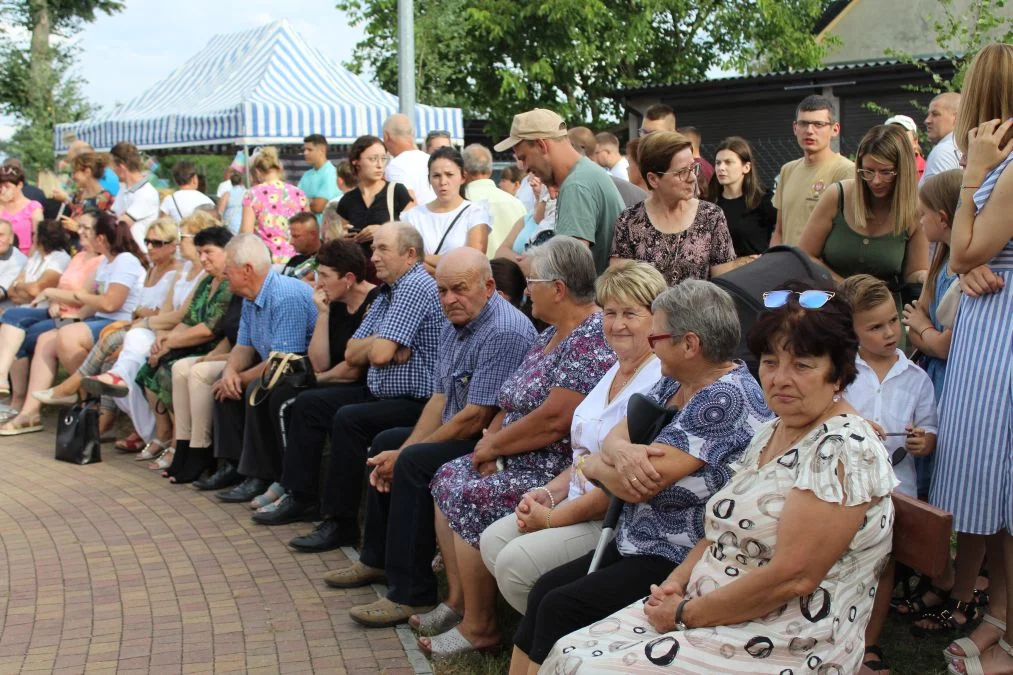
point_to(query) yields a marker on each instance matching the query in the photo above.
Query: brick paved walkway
(109, 568)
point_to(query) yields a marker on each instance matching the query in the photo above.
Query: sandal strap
(989, 619)
(1005, 646)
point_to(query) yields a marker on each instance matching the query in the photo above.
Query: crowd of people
(466, 352)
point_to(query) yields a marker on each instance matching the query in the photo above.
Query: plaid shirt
(280, 319)
(409, 314)
(477, 358)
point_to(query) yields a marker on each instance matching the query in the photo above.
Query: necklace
(629, 378)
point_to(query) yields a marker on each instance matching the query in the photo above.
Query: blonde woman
(268, 205)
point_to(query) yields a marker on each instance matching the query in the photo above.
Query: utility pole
(406, 57)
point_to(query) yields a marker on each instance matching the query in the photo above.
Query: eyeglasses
(655, 338)
(806, 299)
(688, 173)
(379, 160)
(157, 243)
(869, 175)
(539, 281)
(816, 124)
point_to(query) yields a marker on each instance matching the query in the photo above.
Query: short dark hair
(235, 178)
(512, 174)
(359, 146)
(658, 111)
(828, 331)
(218, 236)
(315, 139)
(14, 175)
(303, 217)
(51, 236)
(815, 102)
(127, 154)
(509, 278)
(343, 256)
(183, 172)
(439, 133)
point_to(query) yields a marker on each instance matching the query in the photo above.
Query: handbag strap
(449, 228)
(390, 200)
(277, 364)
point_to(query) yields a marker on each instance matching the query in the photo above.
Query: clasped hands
(636, 478)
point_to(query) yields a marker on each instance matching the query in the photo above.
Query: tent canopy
(261, 86)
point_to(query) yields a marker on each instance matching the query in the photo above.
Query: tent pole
(406, 58)
(249, 166)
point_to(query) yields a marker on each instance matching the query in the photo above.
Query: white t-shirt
(11, 268)
(181, 203)
(183, 284)
(905, 396)
(942, 157)
(433, 225)
(621, 169)
(526, 194)
(126, 270)
(594, 418)
(223, 187)
(139, 201)
(411, 168)
(38, 264)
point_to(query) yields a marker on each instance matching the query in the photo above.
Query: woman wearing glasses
(784, 575)
(682, 236)
(868, 225)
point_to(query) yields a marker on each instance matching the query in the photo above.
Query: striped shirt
(982, 194)
(477, 358)
(280, 319)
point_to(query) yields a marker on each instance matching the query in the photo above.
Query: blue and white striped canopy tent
(261, 86)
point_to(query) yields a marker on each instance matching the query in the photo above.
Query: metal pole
(406, 58)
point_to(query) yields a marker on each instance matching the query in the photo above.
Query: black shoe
(195, 462)
(287, 510)
(226, 476)
(245, 491)
(179, 456)
(329, 535)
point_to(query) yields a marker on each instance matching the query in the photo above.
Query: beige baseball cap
(532, 125)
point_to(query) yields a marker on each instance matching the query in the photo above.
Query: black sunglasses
(156, 243)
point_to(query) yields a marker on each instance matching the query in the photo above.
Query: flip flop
(11, 429)
(118, 388)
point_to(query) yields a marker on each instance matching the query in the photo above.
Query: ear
(747, 167)
(943, 216)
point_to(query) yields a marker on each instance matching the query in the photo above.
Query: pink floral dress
(273, 203)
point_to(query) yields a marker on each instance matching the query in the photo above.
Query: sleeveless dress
(848, 253)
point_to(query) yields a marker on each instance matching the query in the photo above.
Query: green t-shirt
(587, 208)
(320, 183)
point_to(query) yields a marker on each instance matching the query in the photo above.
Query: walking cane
(644, 419)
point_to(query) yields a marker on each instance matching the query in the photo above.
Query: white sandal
(153, 450)
(972, 665)
(967, 644)
(436, 621)
(452, 643)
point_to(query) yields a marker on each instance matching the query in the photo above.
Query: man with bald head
(408, 165)
(505, 209)
(484, 342)
(939, 124)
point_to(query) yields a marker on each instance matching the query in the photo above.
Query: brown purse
(921, 535)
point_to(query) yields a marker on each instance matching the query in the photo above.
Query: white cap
(904, 121)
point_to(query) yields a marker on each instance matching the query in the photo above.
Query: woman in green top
(868, 225)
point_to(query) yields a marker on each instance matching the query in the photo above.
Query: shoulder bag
(449, 228)
(295, 370)
(77, 434)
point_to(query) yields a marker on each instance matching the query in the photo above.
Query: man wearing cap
(912, 132)
(939, 124)
(588, 202)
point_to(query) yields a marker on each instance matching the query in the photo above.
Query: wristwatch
(679, 625)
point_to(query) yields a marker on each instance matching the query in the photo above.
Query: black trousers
(568, 598)
(352, 431)
(400, 536)
(232, 434)
(263, 434)
(309, 420)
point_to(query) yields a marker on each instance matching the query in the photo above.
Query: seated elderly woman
(526, 445)
(785, 575)
(666, 484)
(562, 519)
(119, 279)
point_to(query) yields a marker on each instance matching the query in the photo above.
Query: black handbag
(77, 434)
(294, 370)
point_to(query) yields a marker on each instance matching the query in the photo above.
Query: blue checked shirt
(280, 319)
(476, 359)
(409, 314)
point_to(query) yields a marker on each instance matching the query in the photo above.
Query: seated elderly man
(784, 577)
(397, 342)
(278, 316)
(482, 346)
(12, 261)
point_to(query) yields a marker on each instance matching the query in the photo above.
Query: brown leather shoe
(354, 576)
(385, 613)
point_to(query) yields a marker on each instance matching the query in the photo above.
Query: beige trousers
(518, 560)
(192, 401)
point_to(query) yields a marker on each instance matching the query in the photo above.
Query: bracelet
(969, 187)
(679, 625)
(580, 467)
(922, 331)
(552, 500)
(548, 519)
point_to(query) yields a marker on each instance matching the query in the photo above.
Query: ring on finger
(633, 479)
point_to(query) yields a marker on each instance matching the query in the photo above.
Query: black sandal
(944, 619)
(915, 605)
(879, 663)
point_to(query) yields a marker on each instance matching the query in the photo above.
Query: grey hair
(477, 159)
(408, 237)
(399, 125)
(568, 260)
(249, 249)
(704, 309)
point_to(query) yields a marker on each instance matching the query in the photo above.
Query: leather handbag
(295, 370)
(77, 434)
(921, 535)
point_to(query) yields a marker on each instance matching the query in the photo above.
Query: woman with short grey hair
(666, 484)
(564, 259)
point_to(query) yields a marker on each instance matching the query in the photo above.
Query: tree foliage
(37, 85)
(496, 57)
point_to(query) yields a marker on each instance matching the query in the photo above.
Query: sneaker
(385, 613)
(355, 576)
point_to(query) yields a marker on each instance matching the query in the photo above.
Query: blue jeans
(33, 321)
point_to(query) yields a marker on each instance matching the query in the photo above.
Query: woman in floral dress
(268, 205)
(527, 443)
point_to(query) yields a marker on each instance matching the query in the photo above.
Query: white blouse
(432, 226)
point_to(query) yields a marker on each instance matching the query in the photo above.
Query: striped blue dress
(973, 476)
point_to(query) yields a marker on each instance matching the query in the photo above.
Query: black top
(50, 207)
(750, 229)
(343, 325)
(294, 262)
(228, 325)
(353, 210)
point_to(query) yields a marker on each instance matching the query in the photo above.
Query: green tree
(496, 57)
(37, 86)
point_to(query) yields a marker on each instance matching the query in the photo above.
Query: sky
(120, 56)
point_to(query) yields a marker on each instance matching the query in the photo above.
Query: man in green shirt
(320, 182)
(588, 201)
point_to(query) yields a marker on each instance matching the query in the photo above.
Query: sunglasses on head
(806, 299)
(157, 243)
